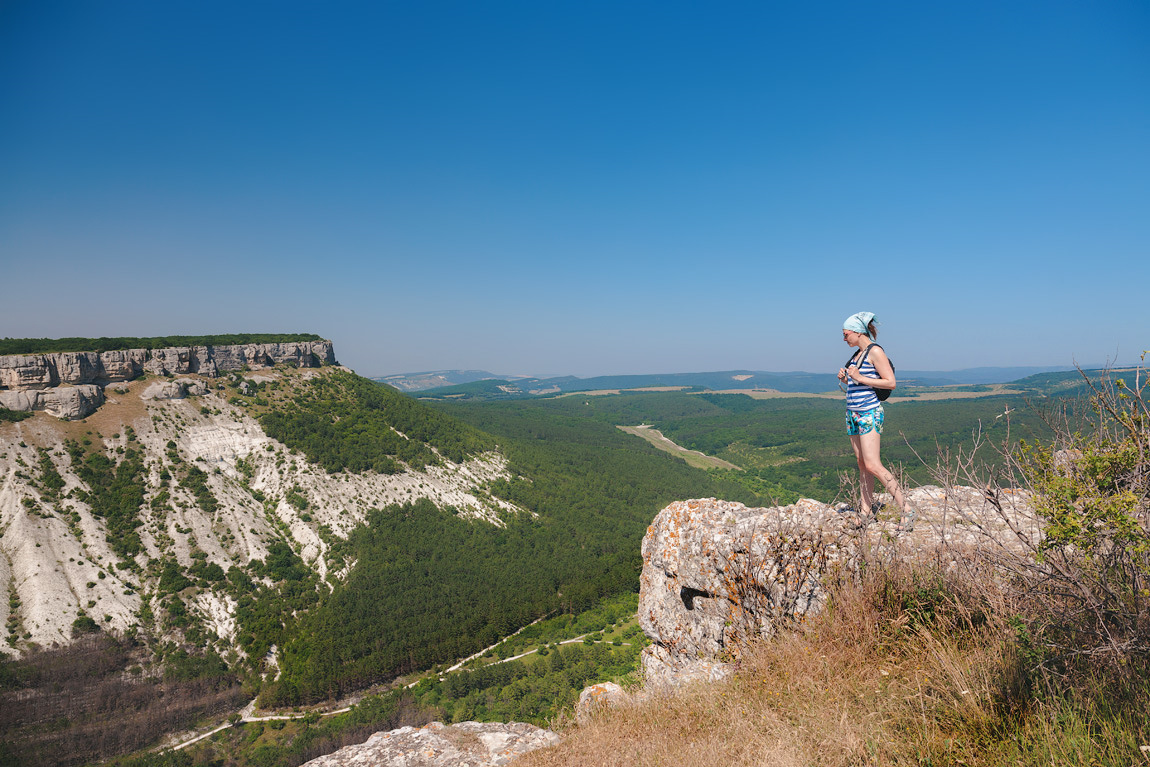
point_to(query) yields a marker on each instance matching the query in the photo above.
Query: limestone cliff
(41, 371)
(67, 380)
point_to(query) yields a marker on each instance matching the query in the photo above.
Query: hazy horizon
(545, 376)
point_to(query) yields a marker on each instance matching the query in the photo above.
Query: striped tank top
(860, 397)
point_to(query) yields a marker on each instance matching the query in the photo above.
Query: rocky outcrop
(65, 402)
(717, 573)
(178, 389)
(467, 744)
(43, 371)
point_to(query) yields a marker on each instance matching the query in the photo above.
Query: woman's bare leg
(866, 478)
(869, 462)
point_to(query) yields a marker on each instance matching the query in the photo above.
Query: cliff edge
(70, 385)
(716, 573)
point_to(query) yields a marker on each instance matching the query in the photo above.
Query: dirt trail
(693, 457)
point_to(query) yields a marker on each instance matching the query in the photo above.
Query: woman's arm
(882, 366)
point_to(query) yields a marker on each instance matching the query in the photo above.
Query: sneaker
(906, 524)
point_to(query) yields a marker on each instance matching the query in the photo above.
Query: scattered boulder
(178, 389)
(467, 744)
(598, 698)
(163, 390)
(193, 387)
(66, 402)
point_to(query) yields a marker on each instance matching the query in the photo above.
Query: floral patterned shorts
(864, 421)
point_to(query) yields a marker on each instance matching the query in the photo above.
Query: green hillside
(347, 423)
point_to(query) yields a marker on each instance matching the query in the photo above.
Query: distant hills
(480, 384)
(434, 379)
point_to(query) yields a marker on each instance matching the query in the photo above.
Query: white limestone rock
(467, 744)
(52, 548)
(122, 365)
(43, 371)
(66, 402)
(178, 389)
(25, 371)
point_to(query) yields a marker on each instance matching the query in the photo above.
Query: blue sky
(583, 187)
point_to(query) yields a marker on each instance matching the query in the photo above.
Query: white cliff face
(55, 561)
(40, 371)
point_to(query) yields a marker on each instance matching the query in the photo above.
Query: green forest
(788, 448)
(430, 587)
(105, 344)
(561, 655)
(346, 423)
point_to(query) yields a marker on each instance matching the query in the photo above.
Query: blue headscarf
(857, 323)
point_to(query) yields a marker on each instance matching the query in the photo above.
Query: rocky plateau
(70, 384)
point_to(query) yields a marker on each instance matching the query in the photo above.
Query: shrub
(84, 625)
(1087, 577)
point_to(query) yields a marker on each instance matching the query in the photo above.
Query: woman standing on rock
(867, 371)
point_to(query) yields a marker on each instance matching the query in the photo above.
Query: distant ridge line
(473, 383)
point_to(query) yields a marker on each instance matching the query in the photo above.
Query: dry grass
(879, 679)
(700, 727)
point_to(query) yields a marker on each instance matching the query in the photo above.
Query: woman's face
(851, 337)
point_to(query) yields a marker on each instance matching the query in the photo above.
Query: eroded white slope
(55, 561)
